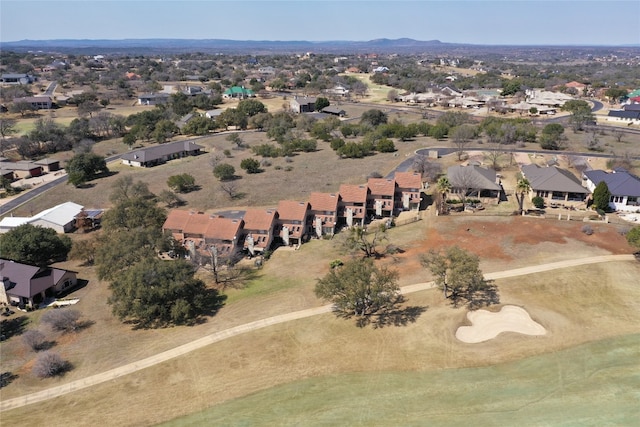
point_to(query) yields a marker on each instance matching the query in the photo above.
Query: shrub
(633, 237)
(250, 165)
(224, 172)
(34, 339)
(586, 229)
(62, 319)
(49, 364)
(288, 169)
(538, 202)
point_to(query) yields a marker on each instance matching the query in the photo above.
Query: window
(632, 201)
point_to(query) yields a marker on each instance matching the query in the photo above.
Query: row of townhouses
(295, 221)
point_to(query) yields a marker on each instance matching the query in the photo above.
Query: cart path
(130, 368)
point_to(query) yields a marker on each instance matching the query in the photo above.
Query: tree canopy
(359, 288)
(84, 167)
(633, 237)
(182, 183)
(458, 272)
(34, 245)
(601, 196)
(155, 293)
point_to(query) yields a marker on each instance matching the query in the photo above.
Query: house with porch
(159, 154)
(293, 221)
(48, 164)
(40, 102)
(380, 200)
(28, 285)
(258, 230)
(324, 212)
(554, 184)
(623, 186)
(352, 204)
(474, 181)
(238, 92)
(408, 189)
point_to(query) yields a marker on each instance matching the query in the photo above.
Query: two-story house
(258, 230)
(352, 208)
(293, 221)
(408, 189)
(380, 201)
(324, 211)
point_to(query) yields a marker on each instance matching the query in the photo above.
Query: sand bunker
(487, 325)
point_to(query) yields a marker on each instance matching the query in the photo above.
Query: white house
(624, 188)
(61, 218)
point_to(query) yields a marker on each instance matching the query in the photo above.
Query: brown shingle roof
(408, 179)
(324, 202)
(382, 186)
(259, 219)
(350, 193)
(292, 210)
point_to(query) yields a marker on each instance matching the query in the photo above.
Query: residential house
(27, 285)
(159, 154)
(17, 79)
(23, 169)
(324, 211)
(623, 186)
(303, 104)
(293, 221)
(238, 92)
(153, 98)
(203, 234)
(554, 184)
(337, 90)
(40, 102)
(258, 230)
(352, 206)
(474, 181)
(334, 111)
(212, 114)
(61, 218)
(629, 117)
(380, 201)
(408, 190)
(48, 165)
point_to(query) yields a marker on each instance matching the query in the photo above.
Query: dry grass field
(576, 306)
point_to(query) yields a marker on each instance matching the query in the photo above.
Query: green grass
(594, 384)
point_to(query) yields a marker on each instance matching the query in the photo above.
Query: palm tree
(443, 186)
(522, 187)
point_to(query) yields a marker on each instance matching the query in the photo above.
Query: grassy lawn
(324, 369)
(589, 385)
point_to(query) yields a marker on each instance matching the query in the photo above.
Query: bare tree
(215, 160)
(230, 188)
(494, 155)
(34, 339)
(50, 364)
(65, 320)
(429, 170)
(618, 134)
(462, 136)
(465, 182)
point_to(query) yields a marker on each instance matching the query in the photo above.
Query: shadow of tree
(482, 295)
(12, 327)
(7, 378)
(398, 317)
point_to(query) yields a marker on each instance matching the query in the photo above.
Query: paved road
(130, 368)
(36, 191)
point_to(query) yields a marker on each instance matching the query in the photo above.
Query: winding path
(130, 368)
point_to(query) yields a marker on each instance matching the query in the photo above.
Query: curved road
(130, 368)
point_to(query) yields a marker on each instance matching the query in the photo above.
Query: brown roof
(408, 179)
(350, 193)
(292, 210)
(382, 186)
(324, 202)
(176, 220)
(220, 228)
(259, 219)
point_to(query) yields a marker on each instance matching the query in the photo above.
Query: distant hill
(403, 45)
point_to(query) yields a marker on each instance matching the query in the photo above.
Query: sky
(501, 22)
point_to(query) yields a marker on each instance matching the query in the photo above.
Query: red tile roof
(350, 193)
(177, 220)
(219, 228)
(259, 219)
(324, 202)
(381, 186)
(289, 210)
(408, 179)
